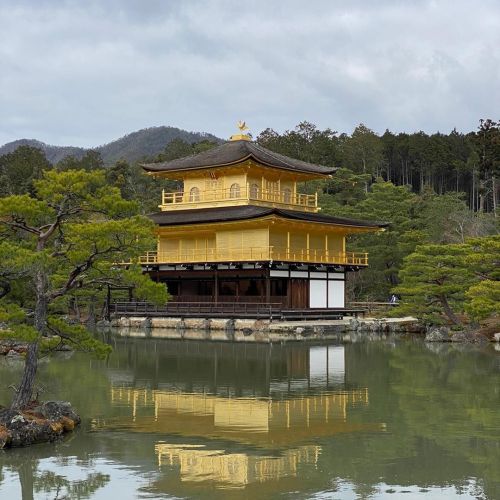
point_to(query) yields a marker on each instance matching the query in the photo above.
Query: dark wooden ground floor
(286, 288)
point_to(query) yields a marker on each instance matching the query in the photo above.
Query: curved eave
(171, 173)
(254, 213)
(233, 153)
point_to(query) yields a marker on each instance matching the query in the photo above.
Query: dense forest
(456, 162)
(431, 189)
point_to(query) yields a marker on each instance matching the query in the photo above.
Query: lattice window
(234, 190)
(254, 190)
(194, 194)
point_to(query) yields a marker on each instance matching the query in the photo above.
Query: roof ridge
(282, 158)
(233, 152)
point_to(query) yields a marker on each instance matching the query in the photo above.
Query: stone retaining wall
(248, 330)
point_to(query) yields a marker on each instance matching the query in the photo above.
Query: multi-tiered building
(240, 230)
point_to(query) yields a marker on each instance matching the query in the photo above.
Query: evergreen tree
(394, 205)
(64, 239)
(19, 169)
(448, 280)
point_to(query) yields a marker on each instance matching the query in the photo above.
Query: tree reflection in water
(35, 479)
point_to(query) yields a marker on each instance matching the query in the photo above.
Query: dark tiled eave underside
(232, 153)
(247, 212)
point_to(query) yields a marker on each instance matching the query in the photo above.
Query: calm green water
(166, 419)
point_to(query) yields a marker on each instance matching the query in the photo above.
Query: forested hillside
(146, 143)
(131, 147)
(53, 154)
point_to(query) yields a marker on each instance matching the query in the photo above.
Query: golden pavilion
(240, 231)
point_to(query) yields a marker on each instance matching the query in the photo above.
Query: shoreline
(265, 331)
(262, 331)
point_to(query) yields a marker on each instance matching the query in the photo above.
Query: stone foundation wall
(248, 330)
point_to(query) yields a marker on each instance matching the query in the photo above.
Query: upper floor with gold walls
(238, 172)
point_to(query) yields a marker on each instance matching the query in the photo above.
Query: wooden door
(299, 293)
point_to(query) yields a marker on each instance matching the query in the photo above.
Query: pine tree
(65, 238)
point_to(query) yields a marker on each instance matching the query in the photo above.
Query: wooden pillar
(289, 289)
(288, 243)
(307, 246)
(268, 286)
(216, 286)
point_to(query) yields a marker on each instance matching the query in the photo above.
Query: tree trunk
(473, 190)
(448, 310)
(78, 314)
(364, 172)
(494, 189)
(24, 392)
(91, 320)
(481, 191)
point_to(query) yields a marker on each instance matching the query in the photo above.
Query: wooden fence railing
(273, 310)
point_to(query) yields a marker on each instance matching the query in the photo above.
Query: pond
(184, 419)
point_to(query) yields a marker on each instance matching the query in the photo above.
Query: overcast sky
(86, 72)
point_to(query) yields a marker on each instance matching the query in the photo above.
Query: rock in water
(55, 410)
(438, 334)
(43, 423)
(470, 337)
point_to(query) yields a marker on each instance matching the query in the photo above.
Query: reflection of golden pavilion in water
(235, 469)
(240, 415)
(260, 422)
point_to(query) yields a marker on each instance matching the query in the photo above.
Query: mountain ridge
(132, 147)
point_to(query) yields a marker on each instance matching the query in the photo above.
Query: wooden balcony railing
(255, 254)
(307, 202)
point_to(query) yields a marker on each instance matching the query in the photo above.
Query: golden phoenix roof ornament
(242, 126)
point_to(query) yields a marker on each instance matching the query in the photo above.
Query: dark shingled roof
(246, 212)
(233, 152)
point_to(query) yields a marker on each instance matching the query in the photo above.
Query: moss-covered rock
(37, 423)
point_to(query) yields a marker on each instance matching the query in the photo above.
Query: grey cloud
(84, 73)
